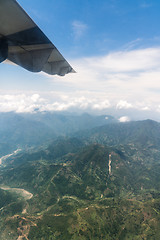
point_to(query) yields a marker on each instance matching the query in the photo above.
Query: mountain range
(27, 130)
(97, 183)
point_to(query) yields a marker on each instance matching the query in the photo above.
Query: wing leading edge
(22, 42)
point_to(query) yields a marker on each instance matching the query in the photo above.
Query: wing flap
(60, 68)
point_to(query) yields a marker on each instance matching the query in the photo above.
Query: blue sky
(92, 27)
(114, 45)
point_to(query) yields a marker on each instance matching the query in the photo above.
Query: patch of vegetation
(86, 189)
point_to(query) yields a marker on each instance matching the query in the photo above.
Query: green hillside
(81, 191)
(141, 133)
(102, 183)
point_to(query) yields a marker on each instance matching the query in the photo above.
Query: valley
(9, 155)
(100, 183)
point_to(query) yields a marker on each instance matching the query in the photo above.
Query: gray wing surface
(22, 42)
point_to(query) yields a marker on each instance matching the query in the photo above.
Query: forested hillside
(102, 183)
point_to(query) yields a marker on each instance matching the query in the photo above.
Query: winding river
(21, 192)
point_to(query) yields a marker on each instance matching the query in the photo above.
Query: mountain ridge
(102, 183)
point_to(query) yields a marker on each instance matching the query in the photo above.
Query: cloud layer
(124, 81)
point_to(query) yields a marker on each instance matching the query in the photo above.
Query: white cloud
(130, 75)
(146, 108)
(30, 102)
(79, 28)
(132, 44)
(35, 97)
(102, 105)
(20, 102)
(124, 119)
(123, 81)
(120, 73)
(128, 61)
(123, 105)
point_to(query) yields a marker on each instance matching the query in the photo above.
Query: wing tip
(73, 71)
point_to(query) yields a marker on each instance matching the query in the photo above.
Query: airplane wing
(22, 42)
